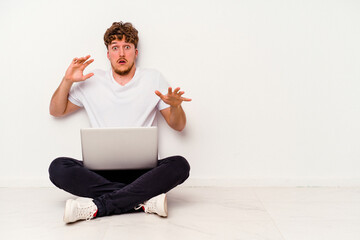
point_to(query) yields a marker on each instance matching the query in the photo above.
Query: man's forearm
(60, 98)
(177, 118)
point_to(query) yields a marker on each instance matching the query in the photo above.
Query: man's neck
(124, 79)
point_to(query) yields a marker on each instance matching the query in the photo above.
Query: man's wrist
(175, 107)
(67, 81)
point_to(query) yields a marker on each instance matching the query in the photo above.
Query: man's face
(122, 56)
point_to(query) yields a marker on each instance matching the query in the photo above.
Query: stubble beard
(123, 72)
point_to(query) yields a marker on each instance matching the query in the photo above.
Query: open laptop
(119, 148)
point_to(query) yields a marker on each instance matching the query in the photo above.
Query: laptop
(119, 148)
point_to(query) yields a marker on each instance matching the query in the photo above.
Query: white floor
(194, 213)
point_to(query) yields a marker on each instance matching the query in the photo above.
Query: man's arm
(60, 105)
(174, 115)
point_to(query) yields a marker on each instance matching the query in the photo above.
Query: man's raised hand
(75, 72)
(173, 98)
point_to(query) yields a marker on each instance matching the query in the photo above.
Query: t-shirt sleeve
(163, 88)
(74, 95)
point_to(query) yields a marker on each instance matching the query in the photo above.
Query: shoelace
(139, 206)
(86, 213)
(149, 206)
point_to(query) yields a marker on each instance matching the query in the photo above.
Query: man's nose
(122, 52)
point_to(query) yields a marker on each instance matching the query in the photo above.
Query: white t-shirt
(108, 104)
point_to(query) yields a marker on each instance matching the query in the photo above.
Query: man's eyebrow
(114, 43)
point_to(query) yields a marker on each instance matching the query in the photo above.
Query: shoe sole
(68, 211)
(163, 200)
(166, 211)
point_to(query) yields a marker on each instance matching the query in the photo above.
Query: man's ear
(136, 52)
(108, 55)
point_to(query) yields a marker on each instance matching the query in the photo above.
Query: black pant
(118, 191)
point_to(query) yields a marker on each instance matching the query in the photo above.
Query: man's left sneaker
(79, 209)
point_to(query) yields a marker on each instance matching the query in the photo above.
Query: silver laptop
(119, 148)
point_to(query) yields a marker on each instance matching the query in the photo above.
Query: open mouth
(122, 61)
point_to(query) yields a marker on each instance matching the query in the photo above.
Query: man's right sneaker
(156, 205)
(79, 209)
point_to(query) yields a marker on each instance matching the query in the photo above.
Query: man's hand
(173, 98)
(75, 72)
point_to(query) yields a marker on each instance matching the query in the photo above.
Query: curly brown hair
(118, 30)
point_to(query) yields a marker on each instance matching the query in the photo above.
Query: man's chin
(123, 72)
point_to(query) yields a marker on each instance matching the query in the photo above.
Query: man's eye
(115, 48)
(127, 47)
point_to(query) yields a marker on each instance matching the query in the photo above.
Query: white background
(275, 84)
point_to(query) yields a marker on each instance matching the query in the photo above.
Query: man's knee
(57, 169)
(55, 165)
(181, 166)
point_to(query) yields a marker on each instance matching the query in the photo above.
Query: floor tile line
(271, 217)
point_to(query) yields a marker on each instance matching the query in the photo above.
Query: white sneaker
(156, 205)
(79, 209)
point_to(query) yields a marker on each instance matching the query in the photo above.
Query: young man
(125, 96)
